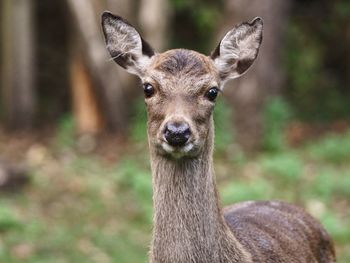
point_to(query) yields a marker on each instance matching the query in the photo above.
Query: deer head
(181, 86)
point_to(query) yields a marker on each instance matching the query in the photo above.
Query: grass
(81, 208)
(77, 211)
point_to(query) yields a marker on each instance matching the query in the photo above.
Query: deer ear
(238, 49)
(125, 44)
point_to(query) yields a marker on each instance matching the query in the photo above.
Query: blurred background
(75, 182)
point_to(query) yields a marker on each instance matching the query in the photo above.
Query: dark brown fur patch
(244, 64)
(183, 61)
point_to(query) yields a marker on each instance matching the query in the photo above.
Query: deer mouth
(188, 150)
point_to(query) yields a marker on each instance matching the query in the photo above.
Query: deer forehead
(182, 70)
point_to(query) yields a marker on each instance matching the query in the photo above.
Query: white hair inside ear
(238, 49)
(125, 44)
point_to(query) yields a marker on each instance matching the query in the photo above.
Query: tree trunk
(154, 18)
(249, 93)
(108, 83)
(18, 66)
(88, 116)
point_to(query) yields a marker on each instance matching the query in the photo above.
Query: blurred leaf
(139, 122)
(310, 68)
(139, 182)
(206, 18)
(333, 148)
(276, 115)
(338, 229)
(243, 191)
(224, 134)
(287, 167)
(342, 8)
(66, 132)
(8, 219)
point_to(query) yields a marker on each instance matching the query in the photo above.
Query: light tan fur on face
(181, 79)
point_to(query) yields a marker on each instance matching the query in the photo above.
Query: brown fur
(189, 225)
(275, 231)
(182, 61)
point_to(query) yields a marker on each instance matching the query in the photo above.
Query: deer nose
(177, 134)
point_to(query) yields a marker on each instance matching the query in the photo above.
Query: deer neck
(188, 224)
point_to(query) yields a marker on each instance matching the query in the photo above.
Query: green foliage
(285, 171)
(342, 9)
(138, 125)
(331, 184)
(224, 134)
(182, 4)
(287, 167)
(324, 185)
(79, 210)
(8, 219)
(339, 228)
(238, 191)
(205, 14)
(335, 149)
(310, 68)
(65, 132)
(276, 115)
(194, 24)
(207, 18)
(138, 181)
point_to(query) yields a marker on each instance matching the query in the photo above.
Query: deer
(180, 88)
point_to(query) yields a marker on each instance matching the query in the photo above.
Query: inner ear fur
(238, 49)
(124, 43)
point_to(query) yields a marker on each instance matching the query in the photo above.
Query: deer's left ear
(238, 49)
(125, 44)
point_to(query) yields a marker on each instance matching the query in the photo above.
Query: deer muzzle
(177, 134)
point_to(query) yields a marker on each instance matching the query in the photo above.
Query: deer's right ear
(125, 44)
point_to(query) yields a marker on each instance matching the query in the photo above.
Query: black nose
(177, 134)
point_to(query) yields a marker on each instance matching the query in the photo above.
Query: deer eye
(212, 93)
(148, 89)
